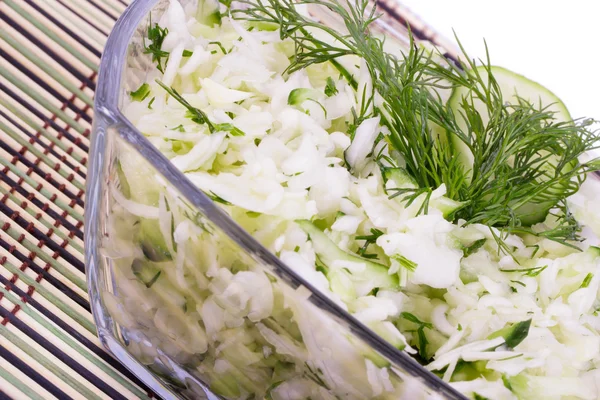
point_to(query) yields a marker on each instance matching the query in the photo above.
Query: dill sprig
(156, 35)
(524, 161)
(198, 116)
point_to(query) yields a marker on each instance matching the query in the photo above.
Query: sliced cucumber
(512, 87)
(513, 334)
(147, 273)
(375, 274)
(208, 12)
(152, 241)
(399, 178)
(300, 95)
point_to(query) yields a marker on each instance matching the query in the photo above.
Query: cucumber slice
(400, 178)
(512, 86)
(300, 95)
(152, 241)
(374, 275)
(513, 334)
(208, 12)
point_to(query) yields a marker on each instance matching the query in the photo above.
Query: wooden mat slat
(49, 56)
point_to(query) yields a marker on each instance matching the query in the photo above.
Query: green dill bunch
(518, 160)
(508, 163)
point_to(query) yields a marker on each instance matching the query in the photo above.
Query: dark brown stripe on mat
(43, 273)
(73, 333)
(44, 85)
(62, 356)
(32, 374)
(33, 167)
(48, 148)
(4, 396)
(102, 10)
(68, 31)
(46, 120)
(44, 206)
(61, 61)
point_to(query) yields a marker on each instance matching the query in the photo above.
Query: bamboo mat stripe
(49, 56)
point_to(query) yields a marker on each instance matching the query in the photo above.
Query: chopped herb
(178, 128)
(187, 53)
(296, 249)
(257, 141)
(537, 248)
(330, 89)
(412, 318)
(476, 245)
(423, 342)
(477, 396)
(141, 93)
(459, 328)
(369, 239)
(193, 113)
(154, 278)
(532, 272)
(218, 199)
(220, 46)
(506, 382)
(513, 334)
(198, 116)
(253, 214)
(519, 283)
(523, 136)
(270, 389)
(406, 263)
(150, 103)
(586, 280)
(156, 35)
(227, 127)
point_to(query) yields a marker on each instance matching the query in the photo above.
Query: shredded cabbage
(452, 296)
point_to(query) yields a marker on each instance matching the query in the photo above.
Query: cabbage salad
(445, 208)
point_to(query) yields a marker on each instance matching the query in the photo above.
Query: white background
(556, 43)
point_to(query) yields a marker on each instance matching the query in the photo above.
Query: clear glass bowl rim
(107, 114)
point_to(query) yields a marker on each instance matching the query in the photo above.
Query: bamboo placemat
(49, 56)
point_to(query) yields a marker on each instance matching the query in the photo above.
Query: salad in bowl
(431, 223)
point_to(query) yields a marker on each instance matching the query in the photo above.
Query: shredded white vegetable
(496, 323)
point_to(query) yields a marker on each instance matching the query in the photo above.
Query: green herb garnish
(406, 263)
(586, 280)
(476, 245)
(532, 272)
(522, 158)
(423, 342)
(156, 35)
(369, 240)
(330, 89)
(198, 116)
(141, 93)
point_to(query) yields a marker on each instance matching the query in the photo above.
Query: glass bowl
(310, 347)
